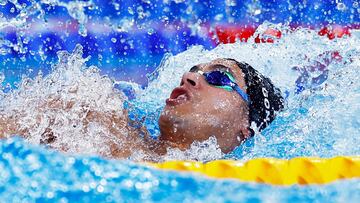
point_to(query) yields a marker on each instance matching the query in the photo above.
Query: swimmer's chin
(166, 127)
(167, 133)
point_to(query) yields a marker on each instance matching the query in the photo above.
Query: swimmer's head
(197, 110)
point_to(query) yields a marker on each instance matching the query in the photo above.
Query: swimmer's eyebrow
(213, 67)
(221, 68)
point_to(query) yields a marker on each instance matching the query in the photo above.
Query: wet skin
(196, 110)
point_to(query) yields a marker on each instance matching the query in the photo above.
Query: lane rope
(301, 170)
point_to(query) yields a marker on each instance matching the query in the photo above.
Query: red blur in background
(230, 34)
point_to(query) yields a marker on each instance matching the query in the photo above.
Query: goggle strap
(242, 93)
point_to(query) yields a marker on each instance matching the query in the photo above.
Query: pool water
(317, 76)
(322, 120)
(33, 174)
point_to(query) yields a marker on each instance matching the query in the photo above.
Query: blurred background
(127, 39)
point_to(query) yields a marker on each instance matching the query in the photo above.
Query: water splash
(75, 10)
(319, 120)
(31, 173)
(198, 151)
(323, 120)
(54, 109)
(24, 20)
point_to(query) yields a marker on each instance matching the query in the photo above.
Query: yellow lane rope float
(302, 170)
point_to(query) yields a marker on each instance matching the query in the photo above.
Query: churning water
(318, 77)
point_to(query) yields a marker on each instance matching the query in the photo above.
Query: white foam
(322, 120)
(44, 102)
(199, 151)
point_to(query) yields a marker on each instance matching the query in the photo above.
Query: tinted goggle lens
(218, 78)
(222, 80)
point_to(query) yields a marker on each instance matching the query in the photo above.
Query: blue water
(321, 118)
(33, 174)
(33, 31)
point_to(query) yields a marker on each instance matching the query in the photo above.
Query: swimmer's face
(197, 110)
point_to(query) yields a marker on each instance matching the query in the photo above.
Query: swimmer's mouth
(178, 96)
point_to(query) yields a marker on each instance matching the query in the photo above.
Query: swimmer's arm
(116, 123)
(132, 140)
(9, 126)
(138, 139)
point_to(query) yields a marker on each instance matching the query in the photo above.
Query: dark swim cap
(265, 98)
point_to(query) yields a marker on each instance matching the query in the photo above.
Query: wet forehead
(220, 62)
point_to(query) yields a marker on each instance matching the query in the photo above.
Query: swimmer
(224, 98)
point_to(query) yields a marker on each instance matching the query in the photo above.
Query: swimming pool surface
(118, 45)
(310, 126)
(33, 174)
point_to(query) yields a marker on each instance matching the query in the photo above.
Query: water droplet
(151, 31)
(50, 195)
(82, 30)
(100, 188)
(113, 39)
(355, 4)
(341, 6)
(131, 10)
(179, 1)
(3, 2)
(116, 6)
(219, 17)
(26, 40)
(3, 51)
(2, 77)
(257, 12)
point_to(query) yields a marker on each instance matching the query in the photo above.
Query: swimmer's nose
(190, 79)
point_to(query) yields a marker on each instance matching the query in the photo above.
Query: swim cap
(265, 98)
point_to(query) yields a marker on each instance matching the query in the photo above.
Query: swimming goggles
(222, 80)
